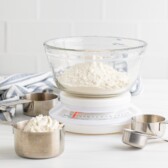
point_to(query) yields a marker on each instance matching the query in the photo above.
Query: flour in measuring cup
(41, 124)
(93, 77)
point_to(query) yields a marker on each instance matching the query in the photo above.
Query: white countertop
(99, 151)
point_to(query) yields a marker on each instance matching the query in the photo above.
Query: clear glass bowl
(95, 66)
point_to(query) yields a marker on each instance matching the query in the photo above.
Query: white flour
(92, 77)
(41, 124)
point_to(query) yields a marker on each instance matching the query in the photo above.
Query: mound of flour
(93, 75)
(41, 124)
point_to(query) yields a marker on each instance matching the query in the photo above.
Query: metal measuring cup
(37, 145)
(150, 124)
(137, 139)
(34, 104)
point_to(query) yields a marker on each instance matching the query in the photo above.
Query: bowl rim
(142, 45)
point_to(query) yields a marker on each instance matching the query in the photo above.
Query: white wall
(26, 24)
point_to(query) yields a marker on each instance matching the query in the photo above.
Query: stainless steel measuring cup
(150, 124)
(37, 145)
(137, 139)
(35, 103)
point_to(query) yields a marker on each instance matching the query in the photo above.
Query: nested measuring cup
(137, 139)
(34, 104)
(150, 124)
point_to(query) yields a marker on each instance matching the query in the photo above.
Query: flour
(41, 124)
(93, 77)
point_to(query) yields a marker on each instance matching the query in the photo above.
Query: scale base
(96, 130)
(85, 126)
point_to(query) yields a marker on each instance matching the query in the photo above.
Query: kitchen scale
(94, 75)
(94, 115)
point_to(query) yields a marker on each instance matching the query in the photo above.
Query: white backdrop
(26, 24)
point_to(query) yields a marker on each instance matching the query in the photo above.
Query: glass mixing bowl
(95, 66)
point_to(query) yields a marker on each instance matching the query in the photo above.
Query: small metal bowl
(38, 145)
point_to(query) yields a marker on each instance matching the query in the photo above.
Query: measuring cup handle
(6, 123)
(15, 102)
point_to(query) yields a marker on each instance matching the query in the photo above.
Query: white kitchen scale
(94, 115)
